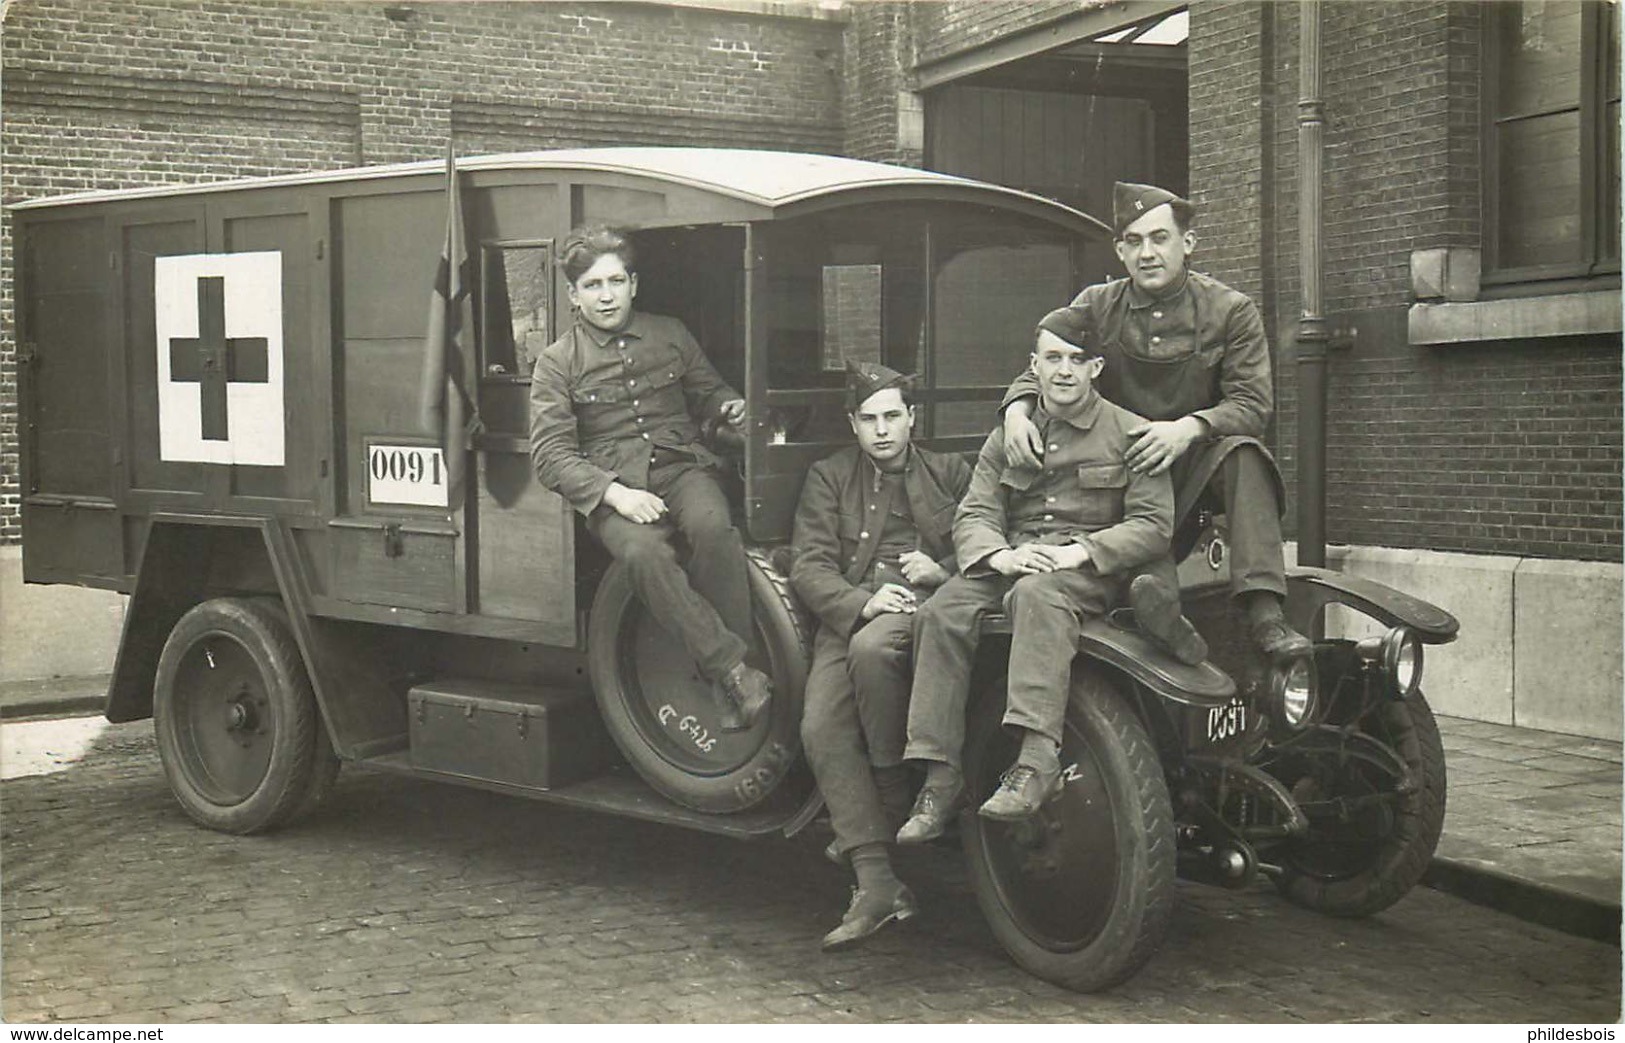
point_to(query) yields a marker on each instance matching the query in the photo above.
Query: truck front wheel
(238, 729)
(1080, 894)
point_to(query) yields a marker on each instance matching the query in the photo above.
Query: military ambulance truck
(220, 393)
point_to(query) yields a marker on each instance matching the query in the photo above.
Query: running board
(618, 793)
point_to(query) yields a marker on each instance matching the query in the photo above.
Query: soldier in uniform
(1052, 543)
(873, 540)
(616, 406)
(1189, 354)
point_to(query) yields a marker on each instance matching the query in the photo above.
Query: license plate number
(1227, 721)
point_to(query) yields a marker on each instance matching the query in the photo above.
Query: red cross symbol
(213, 360)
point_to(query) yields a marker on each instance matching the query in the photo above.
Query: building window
(1551, 140)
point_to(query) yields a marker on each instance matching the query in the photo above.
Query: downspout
(1312, 333)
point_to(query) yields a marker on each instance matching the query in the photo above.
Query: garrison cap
(1130, 202)
(1071, 325)
(867, 378)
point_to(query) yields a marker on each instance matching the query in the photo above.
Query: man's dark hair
(584, 246)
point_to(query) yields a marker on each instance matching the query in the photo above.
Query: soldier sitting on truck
(873, 540)
(1189, 353)
(616, 406)
(1053, 545)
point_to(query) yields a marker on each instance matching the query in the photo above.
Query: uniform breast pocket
(604, 394)
(1101, 487)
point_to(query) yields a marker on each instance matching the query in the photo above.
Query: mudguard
(1309, 590)
(1143, 660)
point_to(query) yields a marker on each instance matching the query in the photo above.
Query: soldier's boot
(1156, 609)
(1267, 626)
(742, 695)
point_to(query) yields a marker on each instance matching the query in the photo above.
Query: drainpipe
(1312, 333)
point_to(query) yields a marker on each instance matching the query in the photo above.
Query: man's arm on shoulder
(555, 449)
(816, 573)
(980, 523)
(1244, 375)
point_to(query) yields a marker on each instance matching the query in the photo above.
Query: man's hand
(889, 598)
(1158, 443)
(920, 570)
(1069, 555)
(1026, 560)
(636, 505)
(1023, 445)
(733, 411)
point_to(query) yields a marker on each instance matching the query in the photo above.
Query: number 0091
(414, 474)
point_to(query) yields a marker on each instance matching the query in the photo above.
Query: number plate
(1227, 721)
(414, 474)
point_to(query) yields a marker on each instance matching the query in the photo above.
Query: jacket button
(1156, 315)
(634, 402)
(1049, 517)
(863, 535)
(1156, 340)
(1053, 447)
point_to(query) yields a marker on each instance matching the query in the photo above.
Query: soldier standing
(615, 406)
(873, 540)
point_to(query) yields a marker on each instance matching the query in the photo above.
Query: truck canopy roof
(764, 178)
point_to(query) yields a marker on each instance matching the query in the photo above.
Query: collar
(601, 338)
(875, 474)
(1138, 298)
(1083, 420)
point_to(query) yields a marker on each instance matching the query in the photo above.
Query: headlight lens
(1295, 693)
(1402, 658)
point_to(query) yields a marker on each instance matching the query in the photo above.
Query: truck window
(517, 284)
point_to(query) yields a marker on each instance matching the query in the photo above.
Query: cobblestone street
(408, 901)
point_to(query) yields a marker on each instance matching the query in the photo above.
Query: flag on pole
(446, 409)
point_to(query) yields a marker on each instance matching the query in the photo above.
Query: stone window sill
(1517, 318)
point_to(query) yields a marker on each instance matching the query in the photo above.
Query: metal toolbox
(536, 737)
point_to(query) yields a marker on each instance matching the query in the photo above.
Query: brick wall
(1504, 447)
(120, 93)
(949, 26)
(878, 54)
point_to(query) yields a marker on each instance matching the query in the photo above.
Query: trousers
(1045, 613)
(704, 600)
(1245, 484)
(853, 725)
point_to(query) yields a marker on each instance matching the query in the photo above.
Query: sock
(873, 867)
(941, 775)
(1038, 751)
(1262, 605)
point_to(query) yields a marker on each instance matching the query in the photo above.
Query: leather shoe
(1279, 641)
(934, 808)
(1156, 609)
(1023, 789)
(868, 913)
(745, 693)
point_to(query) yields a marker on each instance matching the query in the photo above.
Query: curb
(1528, 900)
(57, 706)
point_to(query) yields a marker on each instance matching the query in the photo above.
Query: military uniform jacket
(601, 402)
(834, 543)
(1083, 492)
(1198, 351)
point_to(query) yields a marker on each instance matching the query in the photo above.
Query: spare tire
(659, 709)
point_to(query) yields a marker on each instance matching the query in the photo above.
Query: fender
(187, 559)
(1144, 661)
(1309, 590)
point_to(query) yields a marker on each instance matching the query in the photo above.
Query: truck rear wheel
(238, 729)
(659, 709)
(1081, 894)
